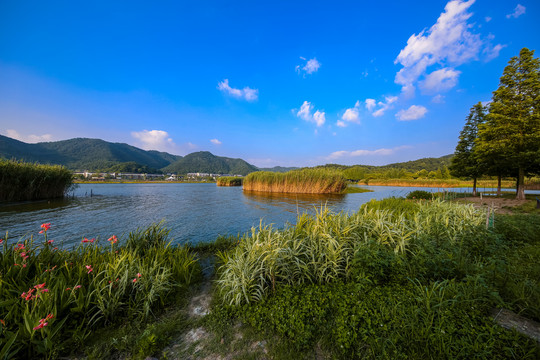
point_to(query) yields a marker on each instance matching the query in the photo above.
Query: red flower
(19, 247)
(50, 241)
(43, 322)
(45, 227)
(89, 268)
(76, 287)
(40, 286)
(139, 275)
(113, 239)
(88, 241)
(134, 280)
(1, 241)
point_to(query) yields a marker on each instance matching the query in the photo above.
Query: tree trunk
(499, 181)
(521, 184)
(474, 187)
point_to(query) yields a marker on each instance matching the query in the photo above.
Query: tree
(465, 163)
(512, 129)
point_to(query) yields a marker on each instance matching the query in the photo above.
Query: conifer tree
(511, 134)
(464, 163)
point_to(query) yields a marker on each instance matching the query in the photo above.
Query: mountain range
(99, 155)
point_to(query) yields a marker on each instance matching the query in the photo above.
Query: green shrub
(20, 181)
(419, 195)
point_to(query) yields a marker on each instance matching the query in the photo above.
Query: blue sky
(275, 83)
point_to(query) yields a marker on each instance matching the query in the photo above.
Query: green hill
(206, 162)
(84, 154)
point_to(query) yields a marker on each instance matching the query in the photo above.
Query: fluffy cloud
(351, 115)
(415, 112)
(306, 114)
(154, 140)
(440, 80)
(14, 134)
(356, 153)
(492, 53)
(438, 99)
(449, 41)
(518, 11)
(378, 109)
(246, 93)
(311, 66)
(215, 142)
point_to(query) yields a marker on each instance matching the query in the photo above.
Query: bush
(419, 195)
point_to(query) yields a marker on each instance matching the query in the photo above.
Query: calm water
(194, 212)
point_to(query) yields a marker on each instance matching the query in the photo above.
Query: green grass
(355, 190)
(229, 181)
(304, 181)
(397, 279)
(86, 288)
(20, 181)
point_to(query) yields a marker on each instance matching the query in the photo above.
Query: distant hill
(430, 164)
(83, 154)
(206, 162)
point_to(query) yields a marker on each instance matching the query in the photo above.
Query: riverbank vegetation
(397, 279)
(305, 181)
(229, 181)
(21, 181)
(54, 301)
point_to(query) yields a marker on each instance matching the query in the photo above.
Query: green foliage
(132, 167)
(229, 181)
(205, 162)
(465, 162)
(85, 288)
(511, 134)
(24, 181)
(420, 195)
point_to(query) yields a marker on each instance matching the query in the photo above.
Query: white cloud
(438, 99)
(32, 138)
(449, 40)
(370, 104)
(311, 66)
(487, 18)
(154, 140)
(382, 105)
(356, 153)
(215, 142)
(518, 11)
(440, 80)
(492, 53)
(305, 113)
(351, 115)
(246, 93)
(415, 112)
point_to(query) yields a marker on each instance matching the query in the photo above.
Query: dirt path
(501, 205)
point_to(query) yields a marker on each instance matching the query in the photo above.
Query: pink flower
(19, 247)
(76, 287)
(43, 322)
(89, 268)
(45, 227)
(1, 241)
(50, 241)
(139, 275)
(113, 239)
(88, 241)
(134, 280)
(67, 289)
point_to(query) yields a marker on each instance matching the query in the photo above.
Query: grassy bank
(20, 181)
(229, 181)
(54, 301)
(398, 279)
(305, 181)
(447, 183)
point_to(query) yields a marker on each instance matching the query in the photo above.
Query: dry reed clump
(229, 181)
(21, 181)
(320, 249)
(305, 181)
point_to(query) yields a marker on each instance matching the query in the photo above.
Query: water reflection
(294, 203)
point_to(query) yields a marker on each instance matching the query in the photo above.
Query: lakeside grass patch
(53, 300)
(397, 279)
(21, 181)
(304, 181)
(229, 181)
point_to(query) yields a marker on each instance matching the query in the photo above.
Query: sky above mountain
(273, 82)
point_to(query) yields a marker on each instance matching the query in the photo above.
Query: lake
(193, 212)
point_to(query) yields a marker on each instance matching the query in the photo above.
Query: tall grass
(229, 181)
(75, 292)
(21, 181)
(530, 184)
(305, 181)
(321, 249)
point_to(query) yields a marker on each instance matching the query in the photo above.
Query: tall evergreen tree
(464, 163)
(511, 134)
